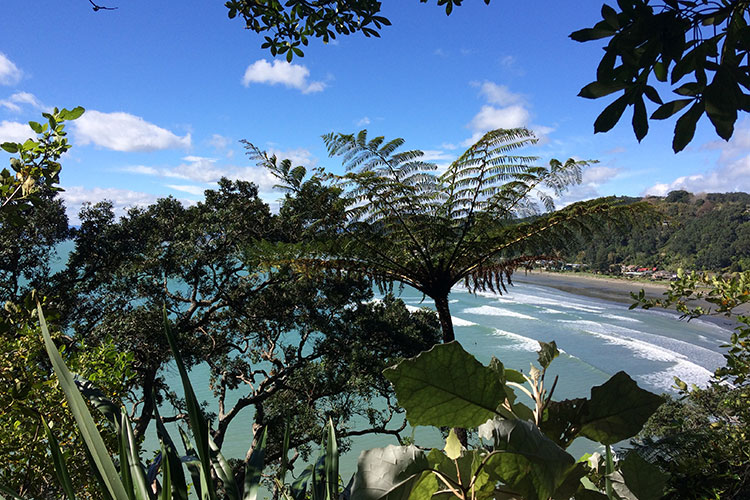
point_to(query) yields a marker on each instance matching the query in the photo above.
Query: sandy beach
(606, 288)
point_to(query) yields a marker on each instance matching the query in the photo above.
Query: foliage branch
(696, 48)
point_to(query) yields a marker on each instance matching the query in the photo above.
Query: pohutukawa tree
(488, 214)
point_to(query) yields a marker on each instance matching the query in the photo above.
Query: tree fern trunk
(446, 322)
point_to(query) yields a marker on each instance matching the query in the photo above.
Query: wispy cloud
(15, 101)
(188, 188)
(732, 171)
(503, 109)
(125, 132)
(10, 74)
(363, 121)
(290, 75)
(205, 172)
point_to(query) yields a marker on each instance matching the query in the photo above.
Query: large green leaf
(198, 423)
(174, 463)
(86, 426)
(254, 466)
(525, 459)
(638, 479)
(446, 387)
(140, 489)
(223, 471)
(381, 470)
(331, 463)
(107, 408)
(61, 468)
(617, 410)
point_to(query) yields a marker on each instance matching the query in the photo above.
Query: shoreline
(609, 289)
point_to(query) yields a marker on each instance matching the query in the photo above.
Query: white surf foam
(520, 343)
(685, 370)
(462, 322)
(549, 310)
(681, 367)
(621, 318)
(496, 311)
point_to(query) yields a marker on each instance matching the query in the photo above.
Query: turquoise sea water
(596, 338)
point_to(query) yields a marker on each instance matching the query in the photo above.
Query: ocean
(596, 338)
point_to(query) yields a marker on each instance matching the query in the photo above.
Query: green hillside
(699, 231)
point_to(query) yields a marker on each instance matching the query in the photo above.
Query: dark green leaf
(638, 479)
(547, 353)
(660, 71)
(640, 119)
(254, 467)
(446, 387)
(617, 410)
(668, 109)
(587, 34)
(594, 90)
(684, 129)
(86, 425)
(10, 147)
(36, 127)
(527, 461)
(611, 115)
(610, 16)
(61, 468)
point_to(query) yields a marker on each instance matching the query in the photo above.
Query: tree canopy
(291, 24)
(488, 214)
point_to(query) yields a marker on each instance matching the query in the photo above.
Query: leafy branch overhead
(697, 49)
(36, 167)
(291, 24)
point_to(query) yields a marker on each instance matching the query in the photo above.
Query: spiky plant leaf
(86, 425)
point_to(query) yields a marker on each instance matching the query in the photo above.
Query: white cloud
(9, 72)
(15, 132)
(363, 121)
(734, 176)
(122, 199)
(125, 132)
(188, 188)
(504, 109)
(738, 145)
(14, 102)
(490, 118)
(281, 72)
(732, 172)
(499, 94)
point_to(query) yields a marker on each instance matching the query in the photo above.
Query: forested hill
(699, 232)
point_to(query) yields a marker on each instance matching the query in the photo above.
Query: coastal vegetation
(281, 308)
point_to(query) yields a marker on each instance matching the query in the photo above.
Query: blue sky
(171, 87)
